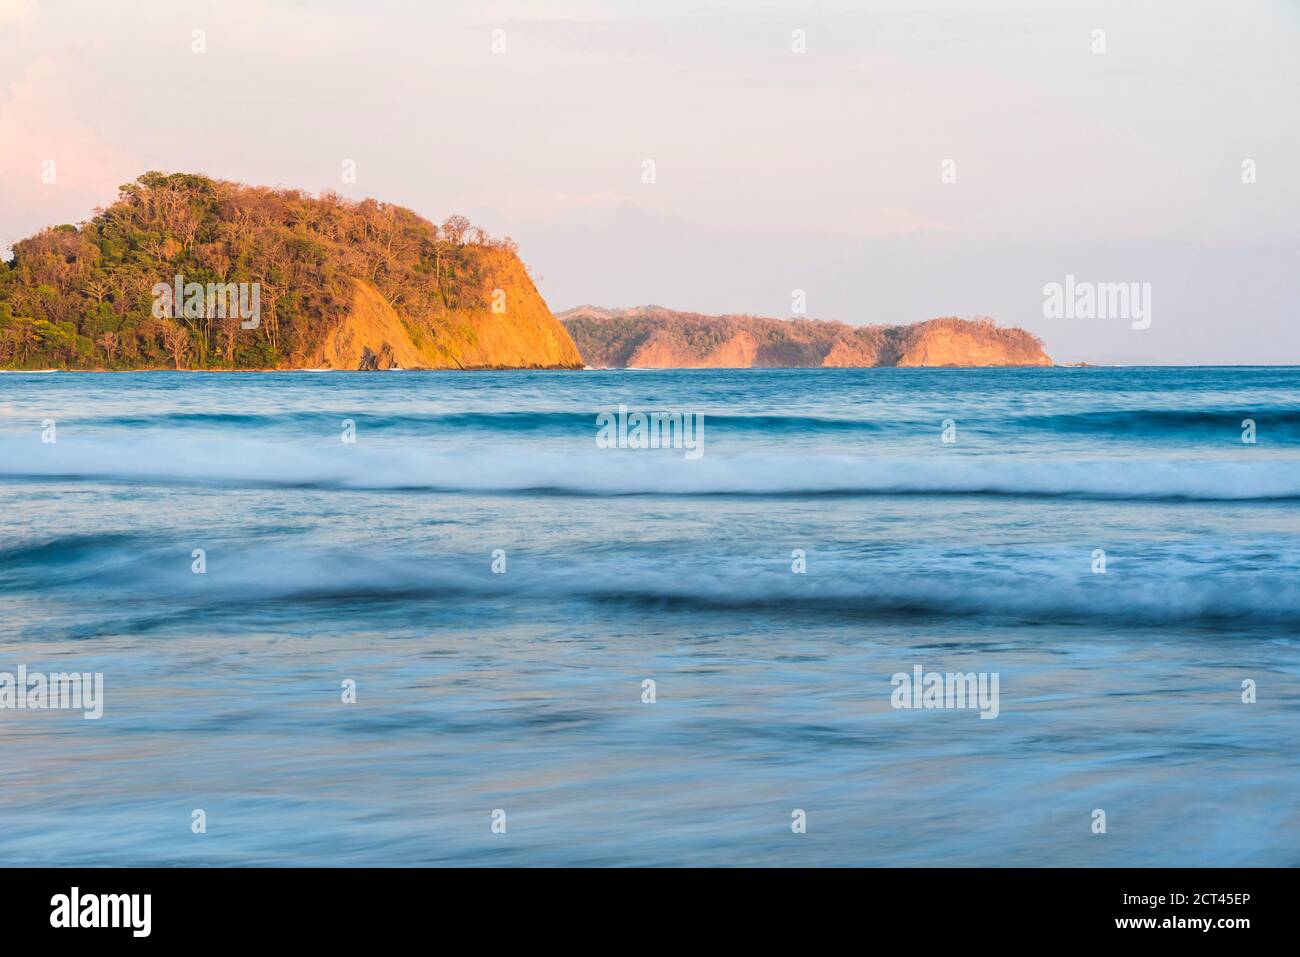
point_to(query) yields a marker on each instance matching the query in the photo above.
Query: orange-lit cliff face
(654, 337)
(519, 333)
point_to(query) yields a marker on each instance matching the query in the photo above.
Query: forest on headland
(85, 296)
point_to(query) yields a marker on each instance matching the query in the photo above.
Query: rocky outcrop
(370, 362)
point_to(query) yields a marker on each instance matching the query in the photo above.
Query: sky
(893, 161)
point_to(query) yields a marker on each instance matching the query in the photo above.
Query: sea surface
(524, 690)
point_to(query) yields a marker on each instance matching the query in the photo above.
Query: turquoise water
(371, 561)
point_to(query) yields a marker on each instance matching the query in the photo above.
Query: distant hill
(340, 284)
(655, 337)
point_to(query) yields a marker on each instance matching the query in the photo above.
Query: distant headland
(659, 338)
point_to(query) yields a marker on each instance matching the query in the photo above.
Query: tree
(456, 228)
(228, 335)
(108, 342)
(177, 340)
(99, 287)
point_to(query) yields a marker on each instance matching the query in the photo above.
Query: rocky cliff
(522, 335)
(654, 337)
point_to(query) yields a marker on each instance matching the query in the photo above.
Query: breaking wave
(1234, 585)
(225, 461)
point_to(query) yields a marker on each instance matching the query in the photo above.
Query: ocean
(423, 618)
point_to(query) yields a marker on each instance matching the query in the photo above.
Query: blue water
(522, 691)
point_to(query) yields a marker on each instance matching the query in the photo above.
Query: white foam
(224, 460)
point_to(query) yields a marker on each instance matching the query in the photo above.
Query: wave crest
(207, 460)
(1151, 585)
